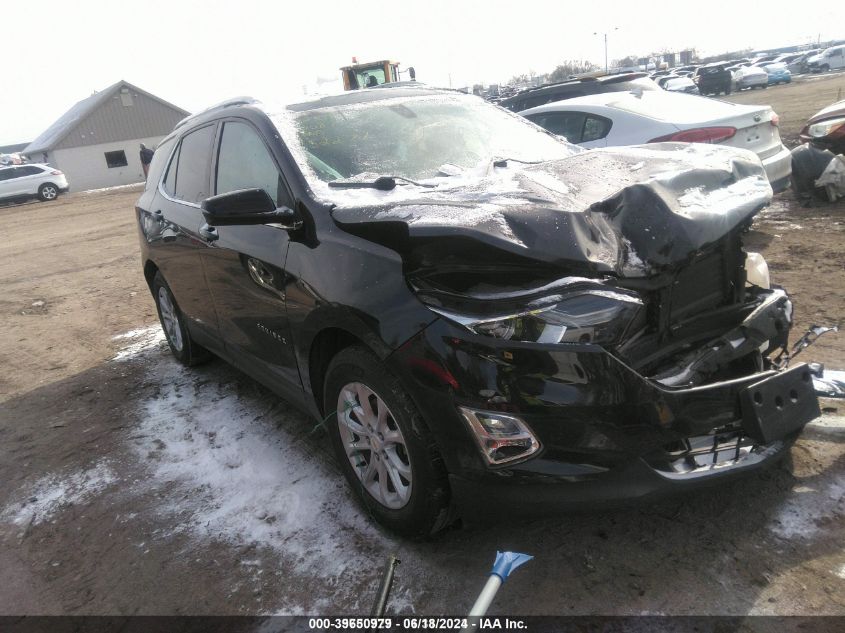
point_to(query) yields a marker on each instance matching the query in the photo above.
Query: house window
(116, 159)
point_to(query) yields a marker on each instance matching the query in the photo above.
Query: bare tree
(625, 62)
(571, 67)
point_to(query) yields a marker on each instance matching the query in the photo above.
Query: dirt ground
(129, 485)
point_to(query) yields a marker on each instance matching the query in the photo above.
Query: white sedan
(635, 118)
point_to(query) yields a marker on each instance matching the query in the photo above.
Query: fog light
(501, 438)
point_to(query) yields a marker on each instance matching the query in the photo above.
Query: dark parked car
(483, 316)
(542, 95)
(713, 79)
(826, 128)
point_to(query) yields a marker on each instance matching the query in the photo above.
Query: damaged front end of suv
(583, 327)
(603, 328)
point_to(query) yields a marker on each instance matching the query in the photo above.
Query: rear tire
(48, 191)
(384, 448)
(183, 347)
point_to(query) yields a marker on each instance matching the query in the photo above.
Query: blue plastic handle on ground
(506, 562)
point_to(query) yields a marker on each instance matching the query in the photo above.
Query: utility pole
(615, 28)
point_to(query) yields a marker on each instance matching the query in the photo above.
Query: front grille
(701, 454)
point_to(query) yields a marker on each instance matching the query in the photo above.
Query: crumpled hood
(626, 211)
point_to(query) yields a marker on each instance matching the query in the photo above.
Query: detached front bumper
(607, 432)
(634, 482)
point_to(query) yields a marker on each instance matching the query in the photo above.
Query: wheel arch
(327, 344)
(150, 270)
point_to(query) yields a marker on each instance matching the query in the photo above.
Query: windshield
(415, 137)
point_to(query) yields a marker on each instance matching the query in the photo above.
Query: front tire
(48, 191)
(384, 448)
(183, 347)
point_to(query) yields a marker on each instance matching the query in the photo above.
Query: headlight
(823, 128)
(589, 316)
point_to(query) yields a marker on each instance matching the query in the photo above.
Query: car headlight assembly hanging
(589, 316)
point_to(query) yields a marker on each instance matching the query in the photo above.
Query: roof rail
(228, 103)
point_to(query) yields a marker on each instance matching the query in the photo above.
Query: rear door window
(187, 177)
(568, 124)
(245, 162)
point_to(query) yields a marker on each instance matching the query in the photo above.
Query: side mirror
(246, 206)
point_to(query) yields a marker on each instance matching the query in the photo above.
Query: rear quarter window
(28, 170)
(162, 153)
(595, 128)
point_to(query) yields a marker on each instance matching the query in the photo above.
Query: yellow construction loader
(371, 74)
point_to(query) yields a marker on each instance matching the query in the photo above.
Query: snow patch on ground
(115, 188)
(52, 493)
(240, 470)
(804, 515)
(138, 341)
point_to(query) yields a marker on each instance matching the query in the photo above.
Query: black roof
(604, 79)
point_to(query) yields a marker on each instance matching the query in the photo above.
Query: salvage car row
(483, 315)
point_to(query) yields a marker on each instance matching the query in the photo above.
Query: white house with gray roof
(96, 143)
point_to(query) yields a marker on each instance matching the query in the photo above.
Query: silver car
(750, 77)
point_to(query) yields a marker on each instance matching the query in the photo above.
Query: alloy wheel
(374, 445)
(49, 192)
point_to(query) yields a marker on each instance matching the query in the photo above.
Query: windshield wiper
(382, 183)
(503, 162)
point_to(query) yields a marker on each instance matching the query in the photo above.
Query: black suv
(572, 88)
(482, 315)
(714, 79)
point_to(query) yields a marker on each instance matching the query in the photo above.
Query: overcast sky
(194, 54)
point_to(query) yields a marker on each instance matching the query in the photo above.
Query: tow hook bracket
(779, 405)
(811, 336)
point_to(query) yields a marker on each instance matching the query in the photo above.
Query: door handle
(209, 233)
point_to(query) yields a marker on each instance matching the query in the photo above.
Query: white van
(832, 58)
